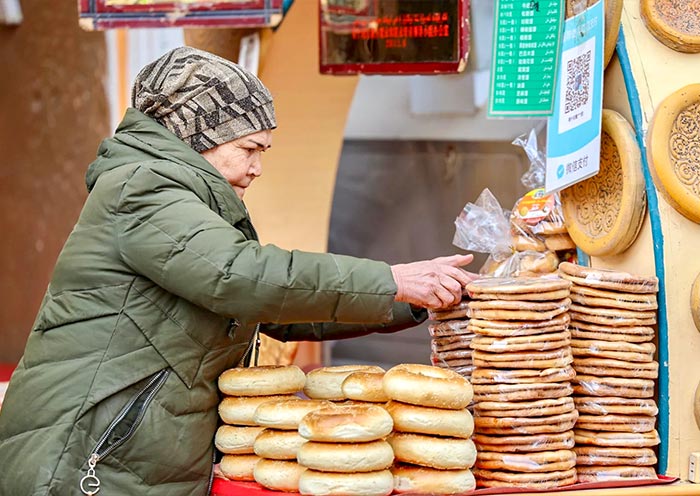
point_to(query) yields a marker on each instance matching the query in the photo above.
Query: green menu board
(526, 41)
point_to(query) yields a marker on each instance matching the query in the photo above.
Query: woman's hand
(435, 283)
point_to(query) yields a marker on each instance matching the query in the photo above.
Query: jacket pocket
(121, 429)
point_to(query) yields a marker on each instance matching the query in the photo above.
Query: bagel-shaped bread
(278, 445)
(239, 410)
(446, 453)
(425, 385)
(236, 440)
(286, 415)
(315, 482)
(346, 457)
(278, 475)
(351, 423)
(411, 479)
(364, 386)
(427, 420)
(238, 467)
(265, 380)
(325, 383)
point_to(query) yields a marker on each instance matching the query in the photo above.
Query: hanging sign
(108, 14)
(393, 36)
(526, 42)
(573, 131)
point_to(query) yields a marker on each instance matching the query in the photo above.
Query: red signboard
(393, 36)
(108, 14)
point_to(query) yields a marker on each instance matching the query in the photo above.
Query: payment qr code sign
(577, 85)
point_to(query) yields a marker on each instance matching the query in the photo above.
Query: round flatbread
(616, 439)
(648, 298)
(536, 408)
(589, 326)
(588, 385)
(522, 376)
(612, 321)
(614, 355)
(541, 296)
(518, 315)
(524, 444)
(695, 302)
(577, 333)
(593, 302)
(597, 455)
(543, 461)
(538, 342)
(521, 392)
(604, 213)
(449, 343)
(538, 306)
(523, 331)
(613, 14)
(520, 356)
(509, 426)
(615, 372)
(615, 405)
(675, 24)
(611, 473)
(616, 423)
(521, 285)
(458, 311)
(449, 328)
(542, 480)
(644, 348)
(560, 320)
(608, 279)
(617, 364)
(615, 313)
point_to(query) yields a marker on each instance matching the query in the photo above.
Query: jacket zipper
(211, 474)
(254, 343)
(90, 480)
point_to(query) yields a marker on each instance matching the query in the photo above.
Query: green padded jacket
(158, 289)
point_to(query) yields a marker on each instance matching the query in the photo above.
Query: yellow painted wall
(291, 203)
(658, 72)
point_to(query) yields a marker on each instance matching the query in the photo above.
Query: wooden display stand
(644, 73)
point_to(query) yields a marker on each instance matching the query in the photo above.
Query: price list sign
(526, 41)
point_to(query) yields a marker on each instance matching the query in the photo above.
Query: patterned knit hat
(203, 99)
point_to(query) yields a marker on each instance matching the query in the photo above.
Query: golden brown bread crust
(348, 423)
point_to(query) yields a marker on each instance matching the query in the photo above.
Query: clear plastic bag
(528, 241)
(534, 177)
(483, 227)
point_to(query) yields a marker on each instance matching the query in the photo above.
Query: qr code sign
(578, 82)
(577, 86)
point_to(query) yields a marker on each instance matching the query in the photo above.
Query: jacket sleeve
(170, 235)
(405, 316)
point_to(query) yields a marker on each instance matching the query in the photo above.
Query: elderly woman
(163, 284)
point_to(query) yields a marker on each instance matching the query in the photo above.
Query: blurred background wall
(53, 114)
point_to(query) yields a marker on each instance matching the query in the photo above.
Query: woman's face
(239, 160)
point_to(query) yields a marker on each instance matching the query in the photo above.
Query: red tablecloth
(223, 487)
(6, 370)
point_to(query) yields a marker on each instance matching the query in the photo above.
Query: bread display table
(664, 486)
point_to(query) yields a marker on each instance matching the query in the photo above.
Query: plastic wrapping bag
(546, 461)
(535, 176)
(483, 227)
(529, 240)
